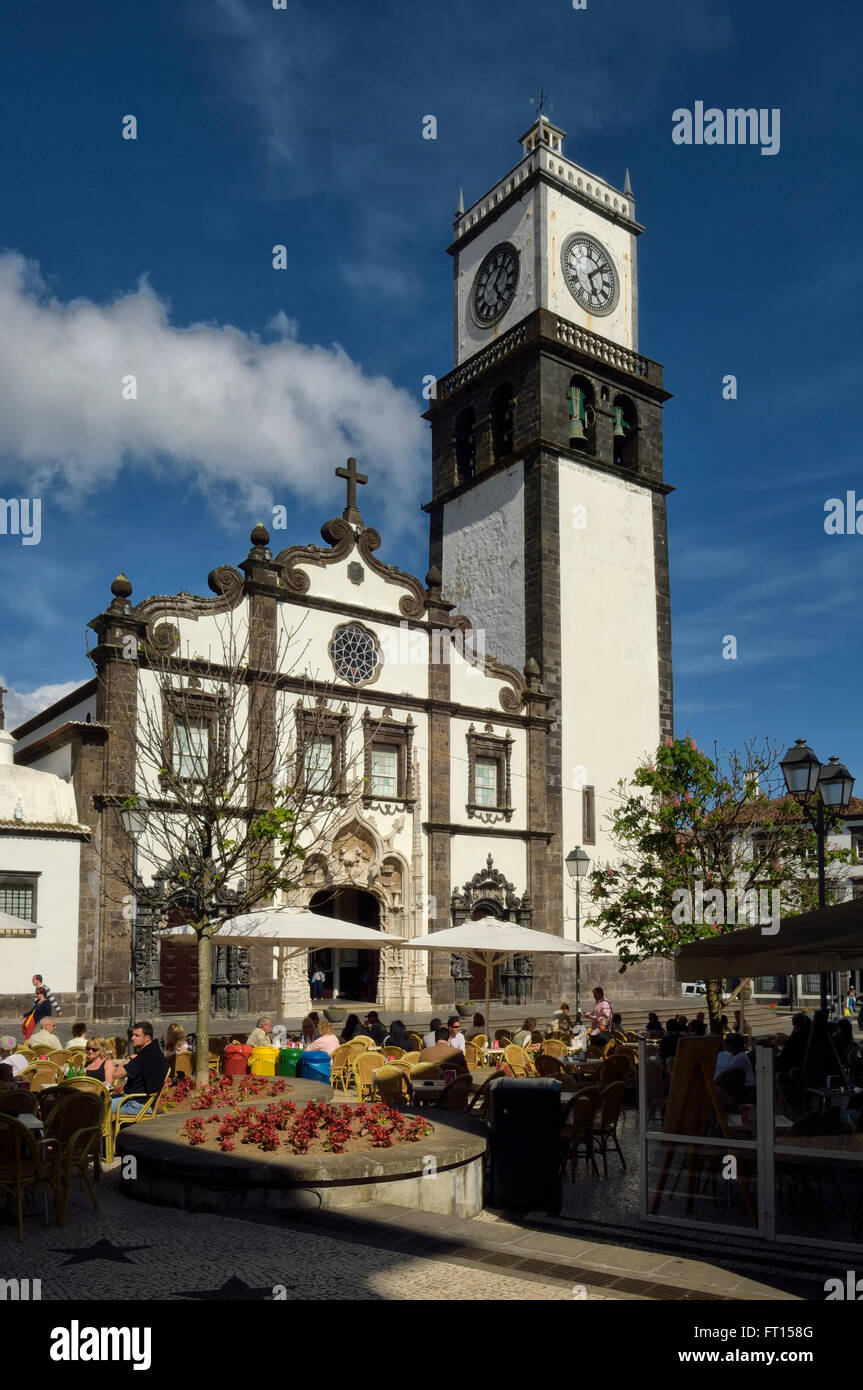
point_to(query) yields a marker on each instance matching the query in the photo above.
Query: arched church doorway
(351, 975)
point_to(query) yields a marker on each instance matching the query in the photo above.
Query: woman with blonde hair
(327, 1041)
(99, 1065)
(175, 1040)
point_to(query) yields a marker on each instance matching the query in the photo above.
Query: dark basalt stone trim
(489, 831)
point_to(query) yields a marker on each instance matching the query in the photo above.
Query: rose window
(354, 654)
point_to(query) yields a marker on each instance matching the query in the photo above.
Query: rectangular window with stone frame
(388, 759)
(321, 749)
(18, 899)
(196, 735)
(588, 816)
(489, 778)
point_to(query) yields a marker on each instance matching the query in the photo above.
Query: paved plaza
(388, 1253)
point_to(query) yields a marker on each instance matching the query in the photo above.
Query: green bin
(286, 1064)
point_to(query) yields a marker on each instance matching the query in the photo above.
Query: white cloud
(269, 419)
(20, 705)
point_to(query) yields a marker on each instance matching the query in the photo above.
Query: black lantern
(801, 770)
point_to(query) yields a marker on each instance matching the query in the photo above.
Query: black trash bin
(523, 1172)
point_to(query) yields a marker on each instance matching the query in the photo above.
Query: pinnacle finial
(627, 186)
(460, 209)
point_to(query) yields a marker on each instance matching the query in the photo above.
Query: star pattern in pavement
(99, 1250)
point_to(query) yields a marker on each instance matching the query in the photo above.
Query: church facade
(477, 721)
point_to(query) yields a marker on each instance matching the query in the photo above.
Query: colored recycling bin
(235, 1059)
(287, 1061)
(263, 1061)
(315, 1066)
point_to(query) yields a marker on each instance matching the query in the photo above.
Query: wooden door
(178, 972)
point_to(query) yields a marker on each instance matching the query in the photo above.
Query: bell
(577, 413)
(576, 430)
(621, 429)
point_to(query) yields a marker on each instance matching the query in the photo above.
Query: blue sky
(303, 127)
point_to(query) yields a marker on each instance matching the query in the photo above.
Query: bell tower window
(502, 414)
(625, 432)
(464, 444)
(582, 415)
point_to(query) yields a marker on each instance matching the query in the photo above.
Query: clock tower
(548, 514)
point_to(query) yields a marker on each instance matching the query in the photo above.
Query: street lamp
(134, 820)
(577, 863)
(814, 786)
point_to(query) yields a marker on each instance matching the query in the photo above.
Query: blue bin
(315, 1066)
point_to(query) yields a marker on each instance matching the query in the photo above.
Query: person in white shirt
(733, 1057)
(44, 1040)
(456, 1036)
(429, 1038)
(17, 1063)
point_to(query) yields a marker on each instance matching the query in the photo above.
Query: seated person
(733, 1058)
(44, 1040)
(143, 1074)
(578, 1036)
(456, 1037)
(79, 1036)
(373, 1028)
(174, 1040)
(260, 1035)
(429, 1037)
(476, 1028)
(668, 1044)
(653, 1028)
(99, 1064)
(697, 1028)
(443, 1054)
(523, 1037)
(562, 1020)
(326, 1041)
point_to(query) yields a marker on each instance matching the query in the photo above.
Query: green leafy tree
(704, 845)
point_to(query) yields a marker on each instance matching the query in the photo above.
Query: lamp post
(814, 785)
(134, 823)
(577, 865)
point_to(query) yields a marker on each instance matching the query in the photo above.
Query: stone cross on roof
(350, 474)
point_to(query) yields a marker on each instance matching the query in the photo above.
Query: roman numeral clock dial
(495, 284)
(590, 274)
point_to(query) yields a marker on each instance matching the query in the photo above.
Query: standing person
(456, 1037)
(601, 1009)
(32, 1022)
(318, 982)
(143, 1074)
(852, 1000)
(55, 1007)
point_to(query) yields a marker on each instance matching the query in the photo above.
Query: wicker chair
(456, 1094)
(519, 1060)
(503, 1036)
(26, 1163)
(119, 1120)
(412, 1057)
(577, 1132)
(605, 1122)
(364, 1065)
(75, 1122)
(471, 1056)
(40, 1074)
(426, 1071)
(552, 1048)
(393, 1086)
(416, 1041)
(479, 1040)
(364, 1039)
(549, 1066)
(392, 1053)
(19, 1103)
(619, 1067)
(341, 1074)
(83, 1083)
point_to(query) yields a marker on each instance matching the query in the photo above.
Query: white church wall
(483, 567)
(59, 762)
(373, 591)
(217, 637)
(516, 224)
(565, 217)
(304, 639)
(54, 951)
(469, 854)
(77, 712)
(609, 661)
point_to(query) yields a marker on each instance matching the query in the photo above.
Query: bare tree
(239, 773)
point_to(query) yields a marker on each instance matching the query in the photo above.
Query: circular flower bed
(318, 1128)
(221, 1091)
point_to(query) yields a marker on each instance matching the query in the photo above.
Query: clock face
(495, 284)
(590, 274)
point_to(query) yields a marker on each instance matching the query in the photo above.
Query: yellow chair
(75, 1124)
(84, 1083)
(119, 1120)
(480, 1041)
(42, 1073)
(391, 1053)
(342, 1070)
(471, 1056)
(427, 1071)
(364, 1039)
(364, 1067)
(182, 1064)
(550, 1048)
(25, 1051)
(392, 1085)
(19, 1102)
(412, 1057)
(416, 1041)
(517, 1059)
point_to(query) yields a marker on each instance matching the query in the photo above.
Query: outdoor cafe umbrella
(489, 941)
(299, 930)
